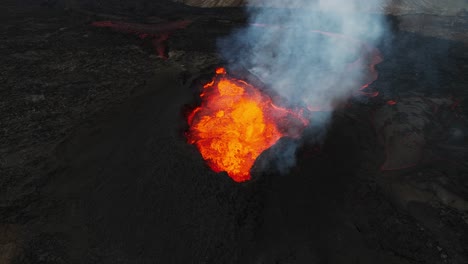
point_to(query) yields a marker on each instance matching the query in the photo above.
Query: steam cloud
(285, 49)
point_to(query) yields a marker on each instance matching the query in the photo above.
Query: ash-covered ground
(94, 167)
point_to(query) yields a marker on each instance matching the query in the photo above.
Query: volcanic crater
(100, 141)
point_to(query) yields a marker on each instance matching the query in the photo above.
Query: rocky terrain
(94, 167)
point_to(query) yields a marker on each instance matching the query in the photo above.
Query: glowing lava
(235, 123)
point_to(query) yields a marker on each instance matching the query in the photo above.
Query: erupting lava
(235, 123)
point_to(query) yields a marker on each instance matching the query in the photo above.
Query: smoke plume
(303, 49)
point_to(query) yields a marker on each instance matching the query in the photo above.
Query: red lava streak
(235, 123)
(158, 33)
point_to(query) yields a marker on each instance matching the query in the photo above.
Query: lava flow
(235, 123)
(158, 33)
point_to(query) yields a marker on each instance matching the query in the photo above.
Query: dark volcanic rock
(94, 167)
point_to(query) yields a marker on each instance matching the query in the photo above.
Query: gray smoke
(282, 46)
(282, 49)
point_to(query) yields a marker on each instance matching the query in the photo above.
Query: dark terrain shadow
(128, 188)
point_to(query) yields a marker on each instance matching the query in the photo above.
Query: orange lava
(235, 123)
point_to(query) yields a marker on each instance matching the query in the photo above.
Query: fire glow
(236, 122)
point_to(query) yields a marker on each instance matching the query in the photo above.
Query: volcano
(112, 153)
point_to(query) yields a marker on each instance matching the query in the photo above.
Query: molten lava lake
(235, 123)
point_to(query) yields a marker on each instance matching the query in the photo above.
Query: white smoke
(283, 47)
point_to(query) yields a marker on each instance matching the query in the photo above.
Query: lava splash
(236, 122)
